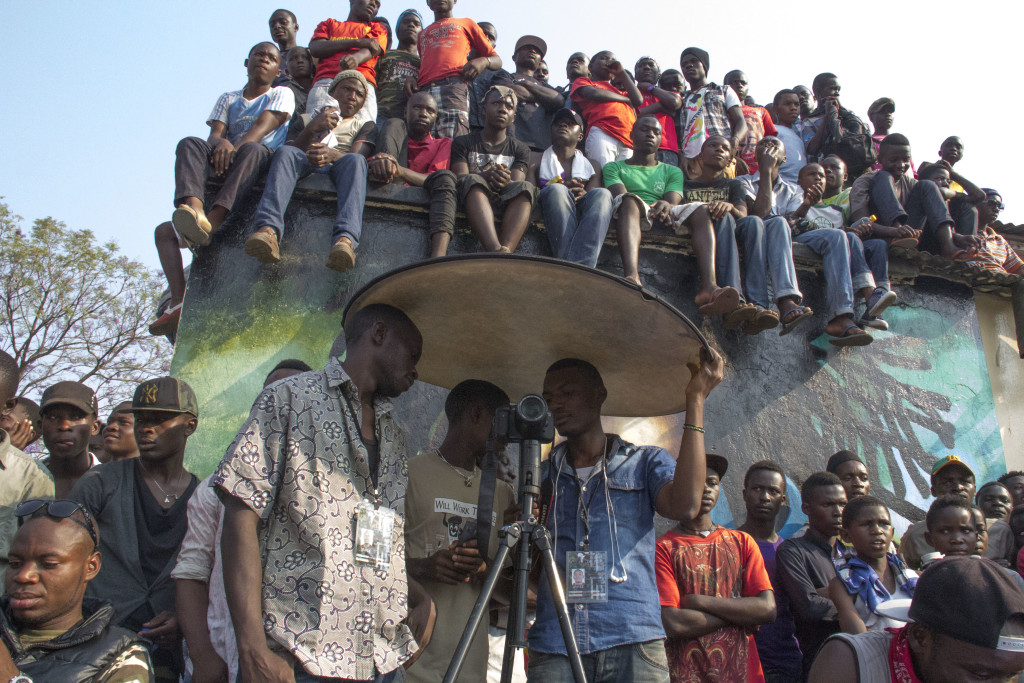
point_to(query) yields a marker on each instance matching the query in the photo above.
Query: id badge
(374, 535)
(586, 576)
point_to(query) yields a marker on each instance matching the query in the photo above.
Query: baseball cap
(717, 463)
(72, 394)
(880, 104)
(564, 113)
(947, 461)
(533, 41)
(165, 394)
(965, 598)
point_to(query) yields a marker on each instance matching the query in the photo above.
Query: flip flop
(904, 243)
(763, 320)
(723, 300)
(794, 318)
(964, 255)
(848, 338)
(735, 318)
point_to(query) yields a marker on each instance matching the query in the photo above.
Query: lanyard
(374, 476)
(580, 485)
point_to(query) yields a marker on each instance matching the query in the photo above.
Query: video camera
(529, 419)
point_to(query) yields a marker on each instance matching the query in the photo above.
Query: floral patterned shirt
(300, 463)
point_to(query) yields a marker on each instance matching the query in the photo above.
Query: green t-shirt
(650, 183)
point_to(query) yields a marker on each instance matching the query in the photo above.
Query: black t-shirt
(724, 189)
(159, 531)
(478, 154)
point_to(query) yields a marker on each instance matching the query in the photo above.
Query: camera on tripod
(527, 420)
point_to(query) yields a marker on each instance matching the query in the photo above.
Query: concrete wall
(942, 380)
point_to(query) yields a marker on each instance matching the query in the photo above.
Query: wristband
(694, 428)
(21, 678)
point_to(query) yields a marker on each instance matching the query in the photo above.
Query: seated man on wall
(336, 143)
(49, 632)
(904, 205)
(644, 190)
(246, 126)
(577, 210)
(491, 168)
(995, 253)
(408, 152)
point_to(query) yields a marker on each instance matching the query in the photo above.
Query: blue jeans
(636, 662)
(834, 248)
(303, 676)
(869, 262)
(289, 165)
(576, 230)
(767, 249)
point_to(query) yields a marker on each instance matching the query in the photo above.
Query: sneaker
(875, 322)
(342, 257)
(166, 323)
(880, 300)
(263, 247)
(189, 224)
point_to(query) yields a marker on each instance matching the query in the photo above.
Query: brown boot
(343, 256)
(262, 246)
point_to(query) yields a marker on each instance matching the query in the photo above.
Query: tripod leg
(509, 538)
(542, 540)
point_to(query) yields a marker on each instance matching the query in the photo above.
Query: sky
(127, 80)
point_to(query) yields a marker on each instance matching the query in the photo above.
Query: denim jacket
(632, 614)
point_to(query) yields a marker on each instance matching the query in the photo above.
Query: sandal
(723, 300)
(763, 320)
(852, 336)
(904, 243)
(795, 317)
(189, 224)
(735, 318)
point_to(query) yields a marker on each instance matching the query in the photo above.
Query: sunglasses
(58, 509)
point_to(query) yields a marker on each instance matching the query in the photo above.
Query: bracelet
(694, 428)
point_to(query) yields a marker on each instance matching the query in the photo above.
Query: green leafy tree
(74, 308)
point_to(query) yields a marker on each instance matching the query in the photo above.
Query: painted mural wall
(918, 392)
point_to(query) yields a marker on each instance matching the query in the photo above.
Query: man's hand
(209, 669)
(812, 195)
(577, 187)
(441, 567)
(614, 69)
(707, 375)
(661, 211)
(862, 229)
(769, 160)
(421, 620)
(718, 209)
(514, 512)
(348, 62)
(411, 86)
(474, 68)
(383, 168)
(325, 121)
(320, 155)
(260, 665)
(21, 434)
(222, 156)
(497, 176)
(466, 557)
(162, 629)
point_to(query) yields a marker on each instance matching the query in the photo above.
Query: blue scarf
(861, 580)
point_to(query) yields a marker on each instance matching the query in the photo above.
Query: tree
(73, 308)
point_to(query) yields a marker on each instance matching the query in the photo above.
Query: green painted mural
(918, 392)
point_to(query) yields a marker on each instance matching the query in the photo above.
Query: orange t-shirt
(444, 46)
(614, 118)
(331, 29)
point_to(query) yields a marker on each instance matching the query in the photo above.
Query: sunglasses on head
(58, 509)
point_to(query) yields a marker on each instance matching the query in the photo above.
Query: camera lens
(532, 408)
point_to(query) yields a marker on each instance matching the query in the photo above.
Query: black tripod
(525, 533)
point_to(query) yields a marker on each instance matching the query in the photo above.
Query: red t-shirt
(444, 46)
(429, 154)
(331, 29)
(669, 139)
(759, 124)
(614, 118)
(726, 564)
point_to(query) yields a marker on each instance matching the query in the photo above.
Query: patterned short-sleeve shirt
(300, 463)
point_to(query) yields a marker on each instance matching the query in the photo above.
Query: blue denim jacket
(632, 613)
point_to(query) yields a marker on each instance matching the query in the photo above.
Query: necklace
(468, 481)
(703, 533)
(167, 496)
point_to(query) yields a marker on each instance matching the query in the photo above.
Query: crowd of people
(429, 104)
(320, 550)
